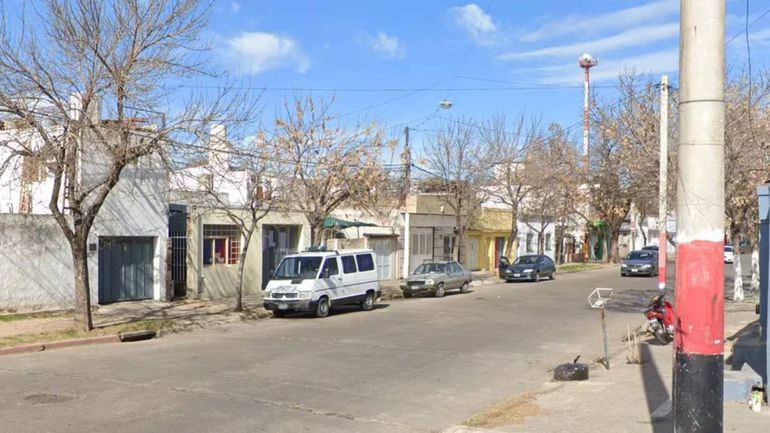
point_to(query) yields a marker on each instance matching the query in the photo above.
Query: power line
(748, 25)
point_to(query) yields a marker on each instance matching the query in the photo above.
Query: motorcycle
(660, 318)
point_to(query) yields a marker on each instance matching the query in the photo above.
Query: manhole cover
(46, 398)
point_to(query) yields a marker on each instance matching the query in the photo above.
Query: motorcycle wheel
(662, 337)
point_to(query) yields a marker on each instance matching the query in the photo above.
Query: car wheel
(552, 276)
(465, 288)
(322, 309)
(279, 313)
(439, 293)
(622, 274)
(407, 295)
(368, 303)
(537, 277)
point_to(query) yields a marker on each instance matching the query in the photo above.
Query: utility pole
(406, 160)
(663, 185)
(586, 62)
(699, 334)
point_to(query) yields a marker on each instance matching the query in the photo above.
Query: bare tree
(119, 53)
(511, 184)
(747, 128)
(463, 166)
(328, 165)
(239, 179)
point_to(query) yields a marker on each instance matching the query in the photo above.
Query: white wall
(525, 229)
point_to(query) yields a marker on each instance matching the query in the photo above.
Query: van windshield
(293, 268)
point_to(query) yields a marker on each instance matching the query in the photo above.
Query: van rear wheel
(368, 303)
(322, 309)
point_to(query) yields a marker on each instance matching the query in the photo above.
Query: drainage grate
(36, 399)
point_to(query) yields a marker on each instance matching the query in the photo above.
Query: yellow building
(486, 239)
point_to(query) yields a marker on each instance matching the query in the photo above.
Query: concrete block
(738, 383)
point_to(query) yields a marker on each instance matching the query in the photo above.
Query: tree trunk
(83, 318)
(513, 237)
(738, 272)
(559, 247)
(458, 236)
(540, 249)
(755, 268)
(241, 266)
(317, 230)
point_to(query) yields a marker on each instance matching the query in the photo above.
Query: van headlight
(623, 265)
(430, 282)
(305, 295)
(268, 294)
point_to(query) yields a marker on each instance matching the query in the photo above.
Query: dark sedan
(529, 268)
(642, 262)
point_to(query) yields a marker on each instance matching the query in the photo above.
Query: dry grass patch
(69, 334)
(511, 411)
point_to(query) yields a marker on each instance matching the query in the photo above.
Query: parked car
(317, 281)
(640, 262)
(729, 254)
(436, 278)
(650, 248)
(530, 268)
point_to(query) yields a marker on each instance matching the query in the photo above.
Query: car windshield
(639, 255)
(728, 249)
(430, 268)
(526, 260)
(292, 268)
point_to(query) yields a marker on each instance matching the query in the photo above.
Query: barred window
(221, 244)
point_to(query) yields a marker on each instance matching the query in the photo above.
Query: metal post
(663, 184)
(699, 339)
(606, 347)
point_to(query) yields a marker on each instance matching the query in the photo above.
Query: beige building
(214, 244)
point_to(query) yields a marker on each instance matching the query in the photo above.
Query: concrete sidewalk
(627, 398)
(186, 314)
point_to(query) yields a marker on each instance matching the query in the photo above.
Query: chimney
(218, 148)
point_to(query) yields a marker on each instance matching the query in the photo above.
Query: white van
(319, 280)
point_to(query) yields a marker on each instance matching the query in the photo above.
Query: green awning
(336, 223)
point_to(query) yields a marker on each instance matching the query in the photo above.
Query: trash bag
(570, 371)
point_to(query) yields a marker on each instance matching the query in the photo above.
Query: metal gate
(383, 249)
(125, 268)
(179, 263)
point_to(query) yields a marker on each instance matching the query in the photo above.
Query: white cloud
(257, 52)
(619, 19)
(235, 7)
(477, 23)
(609, 68)
(631, 38)
(389, 46)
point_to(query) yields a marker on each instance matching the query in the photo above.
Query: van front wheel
(368, 302)
(322, 309)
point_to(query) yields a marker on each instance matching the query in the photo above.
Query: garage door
(383, 249)
(125, 269)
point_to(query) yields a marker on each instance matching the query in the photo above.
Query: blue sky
(455, 50)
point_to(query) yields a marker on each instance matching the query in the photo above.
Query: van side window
(330, 266)
(365, 262)
(348, 264)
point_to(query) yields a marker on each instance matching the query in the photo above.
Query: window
(456, 268)
(292, 268)
(530, 243)
(330, 267)
(548, 242)
(365, 262)
(348, 264)
(221, 244)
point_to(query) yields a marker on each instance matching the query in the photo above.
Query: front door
(383, 250)
(499, 249)
(420, 247)
(472, 255)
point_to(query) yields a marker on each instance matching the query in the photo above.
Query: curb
(40, 347)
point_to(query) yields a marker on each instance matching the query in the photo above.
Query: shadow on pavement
(656, 393)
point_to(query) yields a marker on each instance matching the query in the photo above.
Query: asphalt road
(414, 365)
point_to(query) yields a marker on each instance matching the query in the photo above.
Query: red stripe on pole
(700, 298)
